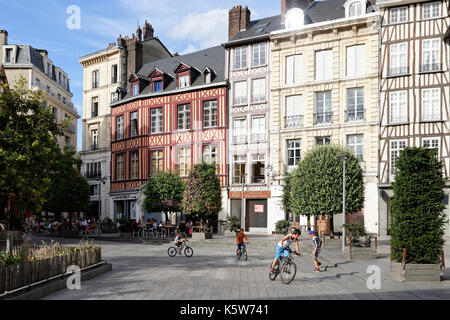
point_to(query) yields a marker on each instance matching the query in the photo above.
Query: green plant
(282, 226)
(233, 223)
(358, 233)
(418, 217)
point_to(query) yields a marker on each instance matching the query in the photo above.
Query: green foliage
(358, 233)
(287, 192)
(316, 185)
(202, 195)
(233, 223)
(28, 146)
(282, 226)
(7, 259)
(163, 187)
(418, 217)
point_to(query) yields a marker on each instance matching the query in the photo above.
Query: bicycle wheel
(245, 254)
(288, 273)
(273, 275)
(172, 251)
(188, 252)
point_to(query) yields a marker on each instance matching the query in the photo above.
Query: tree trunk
(309, 222)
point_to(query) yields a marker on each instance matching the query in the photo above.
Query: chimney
(238, 19)
(139, 33)
(3, 37)
(148, 31)
(287, 5)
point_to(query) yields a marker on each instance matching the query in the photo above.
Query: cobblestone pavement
(145, 271)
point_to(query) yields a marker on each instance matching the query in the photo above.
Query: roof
(211, 58)
(259, 28)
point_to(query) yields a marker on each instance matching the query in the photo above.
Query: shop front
(125, 207)
(255, 216)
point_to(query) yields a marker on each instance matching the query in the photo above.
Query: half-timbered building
(414, 88)
(172, 116)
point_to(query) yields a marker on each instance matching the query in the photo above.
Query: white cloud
(191, 48)
(206, 29)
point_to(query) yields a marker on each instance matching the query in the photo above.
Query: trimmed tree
(164, 192)
(286, 198)
(202, 196)
(418, 217)
(316, 185)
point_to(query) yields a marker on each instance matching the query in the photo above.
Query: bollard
(443, 259)
(350, 250)
(376, 243)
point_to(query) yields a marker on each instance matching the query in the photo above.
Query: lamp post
(343, 203)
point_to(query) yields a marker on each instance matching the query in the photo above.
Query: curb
(57, 285)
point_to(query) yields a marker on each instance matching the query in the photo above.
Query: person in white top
(284, 245)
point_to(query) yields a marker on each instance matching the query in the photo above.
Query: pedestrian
(317, 244)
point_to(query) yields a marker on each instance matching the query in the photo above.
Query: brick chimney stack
(148, 31)
(3, 37)
(238, 20)
(139, 33)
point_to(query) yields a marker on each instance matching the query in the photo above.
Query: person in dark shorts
(317, 244)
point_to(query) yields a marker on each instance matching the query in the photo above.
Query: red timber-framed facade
(414, 89)
(171, 133)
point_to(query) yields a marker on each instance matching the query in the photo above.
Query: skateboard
(324, 267)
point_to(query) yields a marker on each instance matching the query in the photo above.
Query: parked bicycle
(243, 251)
(188, 251)
(286, 267)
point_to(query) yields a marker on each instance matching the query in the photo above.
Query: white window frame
(184, 115)
(134, 165)
(432, 143)
(293, 69)
(183, 81)
(258, 90)
(431, 52)
(94, 137)
(355, 142)
(240, 93)
(210, 154)
(293, 111)
(324, 64)
(240, 58)
(154, 169)
(210, 114)
(356, 64)
(134, 123)
(239, 160)
(355, 104)
(258, 157)
(395, 152)
(184, 167)
(398, 55)
(431, 102)
(398, 106)
(240, 131)
(431, 10)
(398, 15)
(292, 147)
(119, 128)
(258, 132)
(259, 54)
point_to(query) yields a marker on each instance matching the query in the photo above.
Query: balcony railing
(393, 72)
(239, 139)
(293, 121)
(430, 67)
(258, 179)
(431, 117)
(323, 117)
(354, 115)
(398, 119)
(93, 175)
(258, 136)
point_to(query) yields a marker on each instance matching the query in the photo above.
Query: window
(210, 114)
(258, 128)
(239, 130)
(258, 168)
(240, 92)
(398, 111)
(323, 108)
(55, 112)
(48, 89)
(396, 147)
(134, 168)
(134, 123)
(293, 112)
(356, 144)
(59, 96)
(64, 100)
(49, 69)
(324, 65)
(259, 54)
(157, 86)
(259, 90)
(321, 141)
(135, 90)
(37, 82)
(119, 134)
(156, 120)
(67, 140)
(114, 96)
(240, 58)
(94, 108)
(114, 73)
(293, 69)
(8, 55)
(431, 143)
(431, 10)
(207, 77)
(156, 162)
(210, 154)
(355, 9)
(356, 64)
(355, 104)
(399, 15)
(95, 79)
(94, 170)
(239, 162)
(431, 55)
(184, 117)
(184, 162)
(293, 153)
(94, 137)
(398, 59)
(183, 81)
(431, 101)
(119, 167)
(94, 190)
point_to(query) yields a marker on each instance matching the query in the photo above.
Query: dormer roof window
(355, 8)
(207, 75)
(157, 80)
(135, 90)
(295, 19)
(183, 81)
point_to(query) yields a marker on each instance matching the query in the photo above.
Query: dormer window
(295, 18)
(135, 90)
(355, 8)
(183, 81)
(157, 86)
(207, 77)
(8, 55)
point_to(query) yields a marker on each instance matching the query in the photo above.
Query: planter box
(208, 235)
(415, 272)
(361, 253)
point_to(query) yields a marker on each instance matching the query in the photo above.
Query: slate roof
(211, 58)
(259, 28)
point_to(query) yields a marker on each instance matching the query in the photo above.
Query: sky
(183, 27)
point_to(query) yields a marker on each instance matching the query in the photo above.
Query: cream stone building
(40, 73)
(324, 90)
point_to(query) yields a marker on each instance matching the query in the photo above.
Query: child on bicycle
(284, 244)
(317, 244)
(240, 241)
(178, 242)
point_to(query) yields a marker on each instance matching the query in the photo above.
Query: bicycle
(243, 251)
(286, 267)
(188, 251)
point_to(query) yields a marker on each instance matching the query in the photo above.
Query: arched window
(295, 18)
(355, 9)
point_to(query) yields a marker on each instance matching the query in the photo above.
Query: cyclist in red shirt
(240, 241)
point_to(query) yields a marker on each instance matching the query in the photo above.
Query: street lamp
(343, 203)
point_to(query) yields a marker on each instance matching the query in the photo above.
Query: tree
(202, 195)
(69, 191)
(286, 198)
(418, 217)
(164, 192)
(316, 185)
(28, 147)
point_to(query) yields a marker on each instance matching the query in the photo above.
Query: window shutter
(319, 65)
(360, 66)
(297, 68)
(351, 61)
(290, 70)
(328, 65)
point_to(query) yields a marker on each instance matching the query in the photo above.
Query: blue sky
(183, 26)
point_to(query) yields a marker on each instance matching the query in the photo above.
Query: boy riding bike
(284, 245)
(240, 241)
(178, 241)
